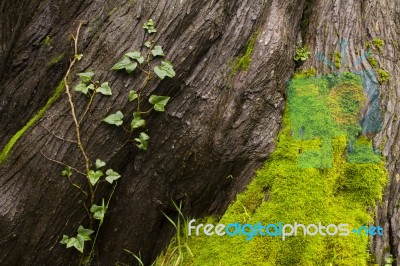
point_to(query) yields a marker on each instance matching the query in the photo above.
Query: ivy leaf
(78, 57)
(66, 172)
(77, 242)
(159, 102)
(165, 69)
(81, 87)
(111, 176)
(157, 51)
(100, 163)
(136, 55)
(137, 121)
(94, 176)
(91, 87)
(80, 243)
(86, 76)
(133, 96)
(142, 140)
(104, 89)
(64, 240)
(85, 233)
(126, 64)
(114, 119)
(98, 211)
(147, 44)
(149, 26)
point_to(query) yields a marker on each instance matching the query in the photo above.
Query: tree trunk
(221, 121)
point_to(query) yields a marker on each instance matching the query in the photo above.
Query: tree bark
(217, 124)
(210, 130)
(358, 22)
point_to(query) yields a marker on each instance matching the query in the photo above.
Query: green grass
(10, 144)
(285, 191)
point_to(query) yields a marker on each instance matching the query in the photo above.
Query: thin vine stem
(73, 113)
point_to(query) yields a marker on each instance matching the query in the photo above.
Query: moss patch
(56, 59)
(372, 61)
(47, 41)
(309, 72)
(243, 62)
(284, 191)
(10, 144)
(383, 76)
(337, 59)
(378, 43)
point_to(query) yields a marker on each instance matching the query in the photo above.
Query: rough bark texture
(216, 124)
(211, 130)
(358, 22)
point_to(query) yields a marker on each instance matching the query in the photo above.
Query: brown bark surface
(216, 124)
(359, 22)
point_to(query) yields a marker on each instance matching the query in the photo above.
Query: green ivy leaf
(159, 102)
(98, 211)
(147, 44)
(94, 176)
(85, 233)
(77, 242)
(104, 89)
(64, 240)
(126, 64)
(136, 55)
(133, 96)
(157, 51)
(67, 171)
(78, 57)
(112, 176)
(165, 69)
(100, 163)
(142, 140)
(86, 76)
(137, 121)
(114, 119)
(149, 26)
(91, 87)
(81, 87)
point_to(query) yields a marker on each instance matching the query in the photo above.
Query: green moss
(56, 59)
(243, 62)
(283, 191)
(309, 72)
(47, 41)
(367, 45)
(378, 43)
(372, 61)
(337, 59)
(10, 144)
(383, 76)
